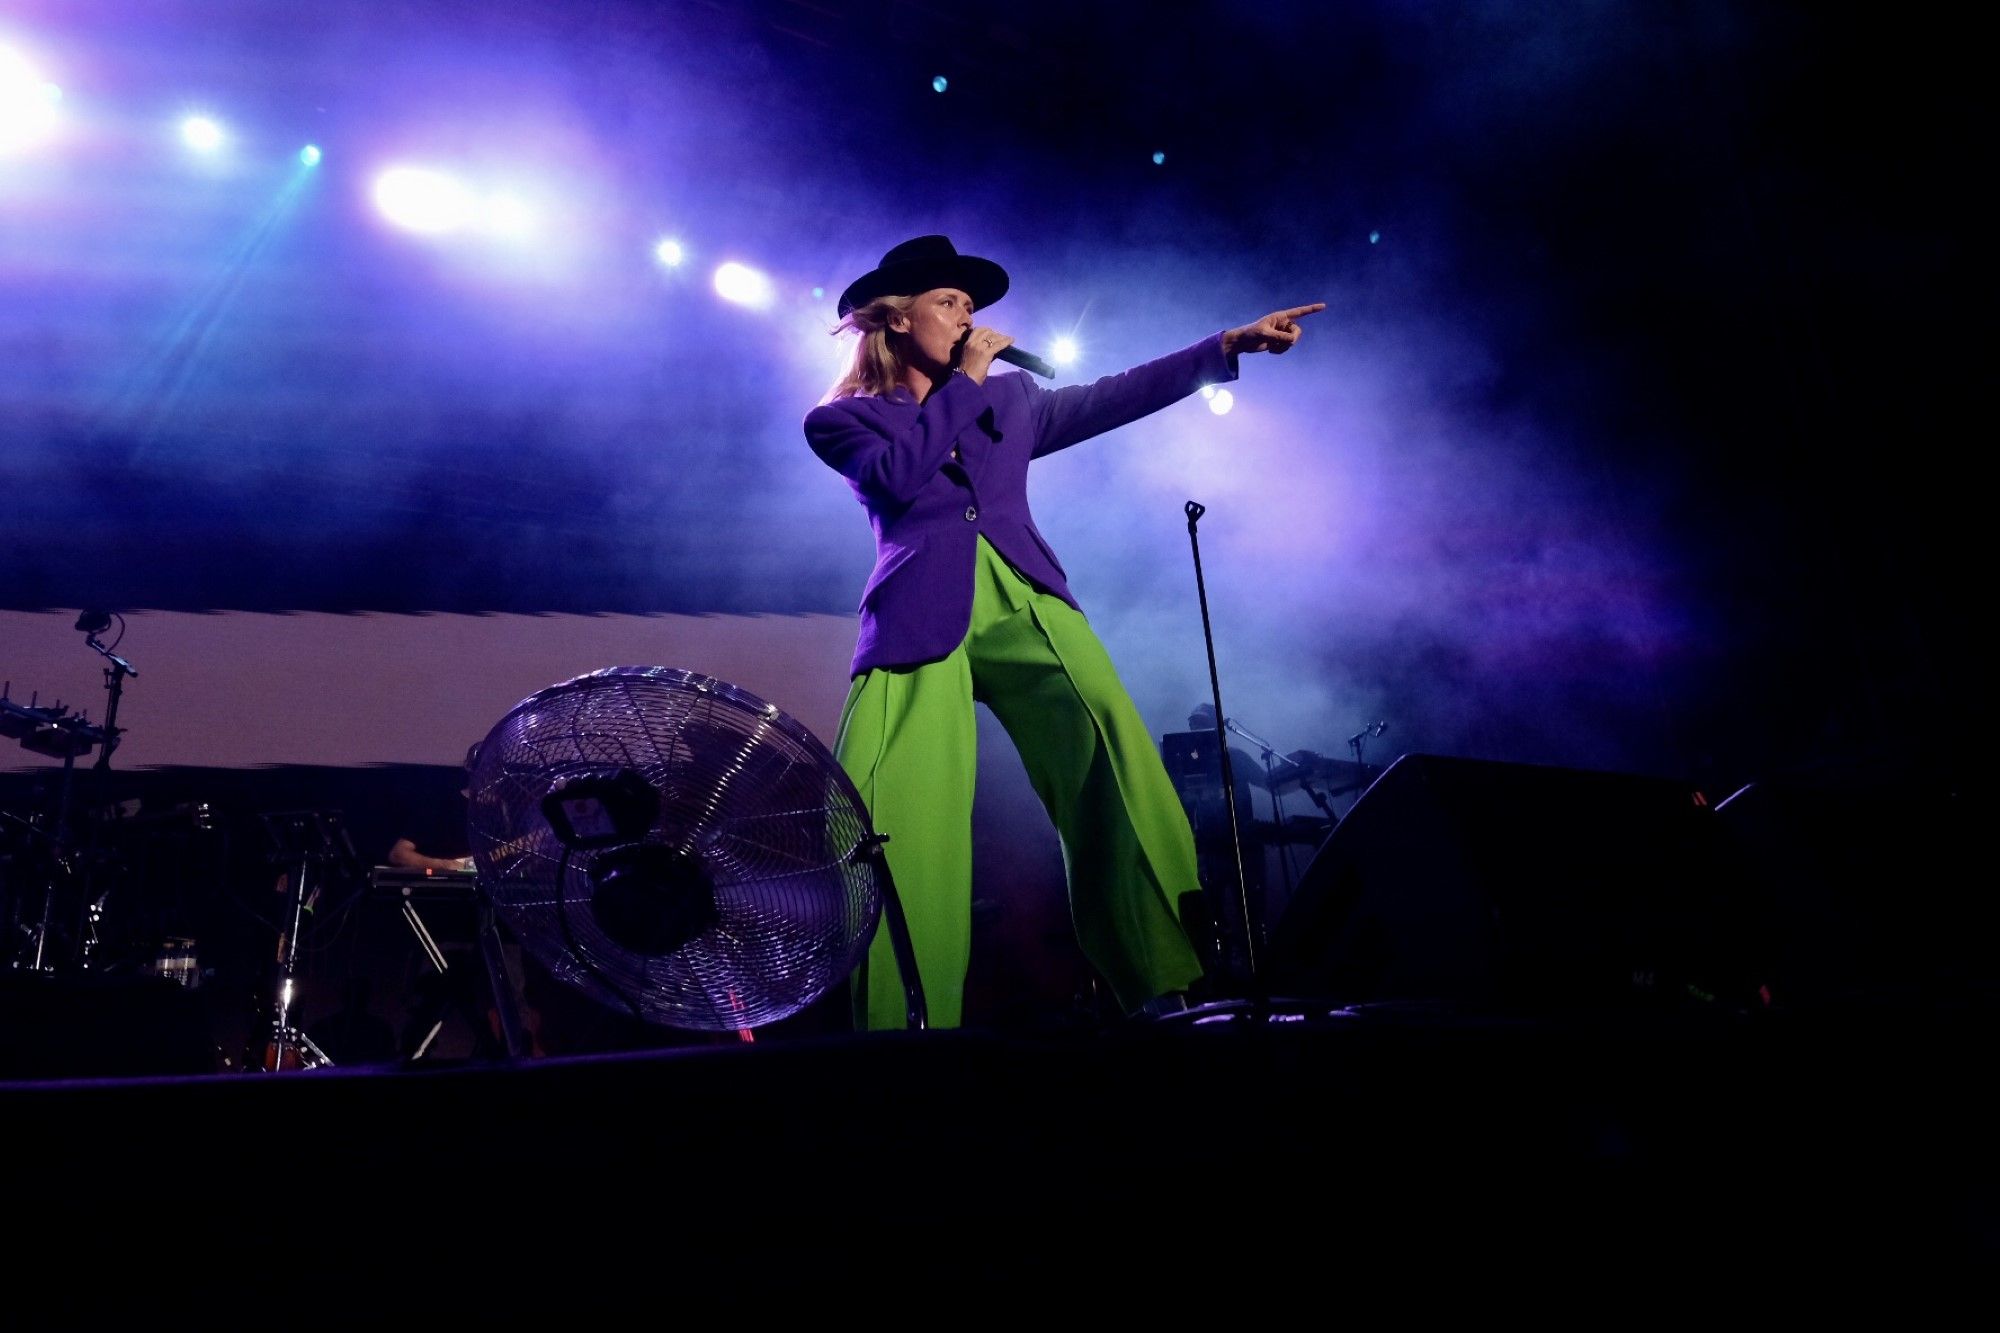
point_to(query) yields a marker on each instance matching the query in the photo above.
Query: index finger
(1298, 310)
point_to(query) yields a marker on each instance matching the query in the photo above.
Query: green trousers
(908, 739)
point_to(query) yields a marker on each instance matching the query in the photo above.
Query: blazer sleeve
(889, 462)
(1076, 412)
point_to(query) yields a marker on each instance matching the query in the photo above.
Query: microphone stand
(1242, 924)
(1360, 738)
(114, 683)
(114, 686)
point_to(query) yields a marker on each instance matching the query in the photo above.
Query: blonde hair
(876, 367)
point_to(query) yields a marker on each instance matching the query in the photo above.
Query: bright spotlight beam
(743, 285)
(27, 102)
(201, 133)
(420, 200)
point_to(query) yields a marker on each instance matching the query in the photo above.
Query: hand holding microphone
(978, 349)
(981, 347)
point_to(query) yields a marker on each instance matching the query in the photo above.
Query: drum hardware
(91, 624)
(310, 846)
(19, 721)
(58, 733)
(52, 730)
(177, 961)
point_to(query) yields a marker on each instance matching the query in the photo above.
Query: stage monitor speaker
(1876, 885)
(1498, 887)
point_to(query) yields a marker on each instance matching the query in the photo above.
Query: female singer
(968, 604)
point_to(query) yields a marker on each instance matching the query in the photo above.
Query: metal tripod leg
(289, 1047)
(288, 1040)
(499, 985)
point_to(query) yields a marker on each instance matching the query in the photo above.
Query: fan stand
(870, 850)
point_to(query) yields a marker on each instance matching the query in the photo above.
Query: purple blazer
(929, 511)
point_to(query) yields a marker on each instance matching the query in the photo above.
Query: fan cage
(747, 793)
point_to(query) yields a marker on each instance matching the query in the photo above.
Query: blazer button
(971, 514)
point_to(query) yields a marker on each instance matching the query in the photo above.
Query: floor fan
(676, 847)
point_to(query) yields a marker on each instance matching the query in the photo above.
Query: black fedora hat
(921, 264)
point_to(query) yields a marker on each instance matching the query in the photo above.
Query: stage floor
(1283, 1146)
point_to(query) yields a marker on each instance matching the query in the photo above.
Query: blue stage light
(310, 155)
(1374, 237)
(939, 84)
(1159, 159)
(1063, 352)
(669, 252)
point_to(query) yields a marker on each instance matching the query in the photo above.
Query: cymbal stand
(311, 843)
(39, 960)
(289, 1047)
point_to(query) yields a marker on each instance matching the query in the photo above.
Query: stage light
(743, 285)
(1159, 159)
(423, 201)
(27, 102)
(1374, 237)
(669, 252)
(819, 293)
(310, 155)
(939, 84)
(201, 133)
(1219, 400)
(1063, 351)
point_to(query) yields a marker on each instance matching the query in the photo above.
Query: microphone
(1014, 356)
